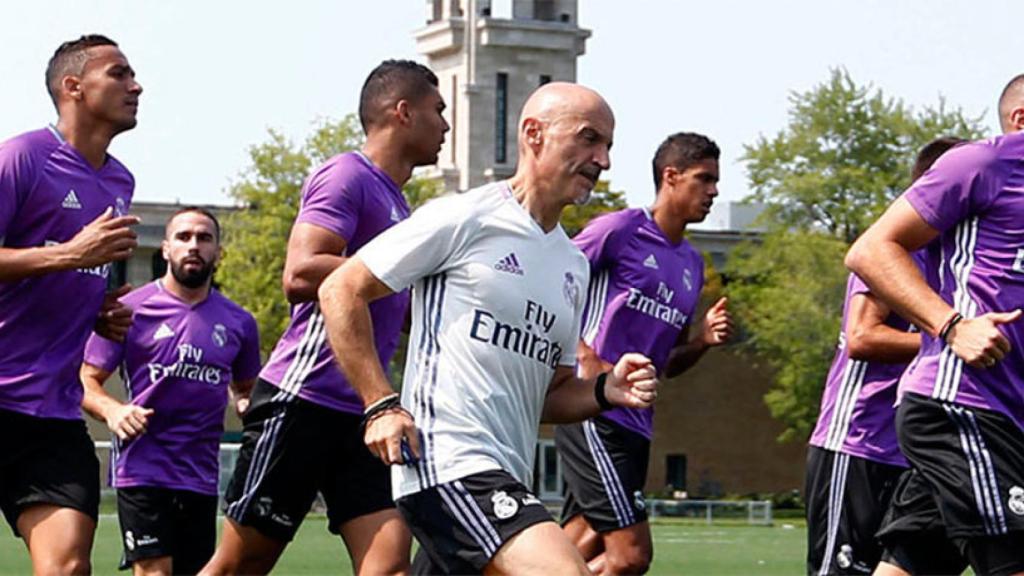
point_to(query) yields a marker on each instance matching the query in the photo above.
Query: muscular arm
(105, 239)
(631, 383)
(124, 420)
(881, 257)
(313, 253)
(715, 330)
(869, 338)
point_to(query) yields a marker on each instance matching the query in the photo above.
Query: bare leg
(378, 543)
(59, 539)
(159, 566)
(542, 549)
(243, 550)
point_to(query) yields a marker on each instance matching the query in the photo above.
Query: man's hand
(633, 382)
(385, 434)
(105, 239)
(128, 420)
(978, 341)
(717, 327)
(114, 318)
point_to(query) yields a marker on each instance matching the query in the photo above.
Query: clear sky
(217, 73)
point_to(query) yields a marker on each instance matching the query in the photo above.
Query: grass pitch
(679, 548)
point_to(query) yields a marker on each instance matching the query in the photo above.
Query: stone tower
(488, 56)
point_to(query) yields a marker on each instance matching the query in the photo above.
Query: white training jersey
(496, 307)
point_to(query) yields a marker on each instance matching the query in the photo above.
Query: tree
(845, 155)
(602, 200)
(268, 193)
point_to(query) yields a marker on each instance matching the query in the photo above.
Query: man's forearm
(888, 269)
(302, 280)
(682, 358)
(20, 263)
(96, 401)
(350, 332)
(571, 400)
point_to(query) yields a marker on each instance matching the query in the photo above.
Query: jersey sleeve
(963, 181)
(598, 240)
(17, 175)
(426, 243)
(103, 353)
(332, 199)
(247, 363)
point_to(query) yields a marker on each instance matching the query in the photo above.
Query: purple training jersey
(48, 193)
(178, 359)
(356, 200)
(858, 414)
(974, 196)
(643, 291)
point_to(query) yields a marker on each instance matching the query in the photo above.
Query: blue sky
(217, 74)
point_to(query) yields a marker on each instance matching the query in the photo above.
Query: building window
(544, 10)
(118, 275)
(675, 471)
(548, 471)
(436, 12)
(501, 119)
(158, 265)
(544, 79)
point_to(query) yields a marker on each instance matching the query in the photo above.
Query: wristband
(949, 325)
(602, 400)
(385, 404)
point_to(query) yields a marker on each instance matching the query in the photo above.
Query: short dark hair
(197, 210)
(389, 82)
(930, 152)
(70, 59)
(682, 150)
(1014, 85)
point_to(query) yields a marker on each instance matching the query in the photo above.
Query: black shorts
(461, 525)
(46, 461)
(159, 522)
(605, 469)
(292, 449)
(847, 497)
(968, 485)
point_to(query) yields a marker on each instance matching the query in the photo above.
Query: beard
(192, 278)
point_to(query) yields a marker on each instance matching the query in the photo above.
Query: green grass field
(679, 548)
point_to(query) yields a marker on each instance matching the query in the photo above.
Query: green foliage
(574, 218)
(845, 155)
(787, 292)
(268, 193)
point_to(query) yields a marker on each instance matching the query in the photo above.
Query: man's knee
(54, 566)
(628, 560)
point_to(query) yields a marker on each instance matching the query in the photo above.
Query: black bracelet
(602, 400)
(944, 334)
(392, 402)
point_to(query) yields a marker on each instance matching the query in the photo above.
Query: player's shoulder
(469, 205)
(34, 147)
(626, 219)
(142, 294)
(231, 307)
(980, 155)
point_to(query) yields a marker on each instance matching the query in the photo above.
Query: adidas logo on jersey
(650, 262)
(509, 264)
(163, 332)
(71, 201)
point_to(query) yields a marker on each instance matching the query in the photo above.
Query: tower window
(501, 119)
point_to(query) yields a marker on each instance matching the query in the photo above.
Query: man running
(645, 285)
(302, 433)
(63, 205)
(960, 420)
(187, 347)
(854, 460)
(498, 300)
